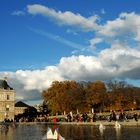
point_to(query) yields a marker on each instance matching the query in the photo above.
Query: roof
(4, 85)
(21, 104)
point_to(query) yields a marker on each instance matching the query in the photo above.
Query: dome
(4, 85)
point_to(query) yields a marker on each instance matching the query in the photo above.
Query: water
(70, 132)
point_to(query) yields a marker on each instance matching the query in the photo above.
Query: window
(8, 97)
(7, 109)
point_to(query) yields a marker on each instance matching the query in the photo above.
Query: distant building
(7, 95)
(20, 107)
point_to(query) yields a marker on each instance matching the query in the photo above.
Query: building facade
(7, 99)
(20, 107)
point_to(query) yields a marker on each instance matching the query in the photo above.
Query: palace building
(20, 107)
(7, 101)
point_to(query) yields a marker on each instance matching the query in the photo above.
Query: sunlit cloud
(65, 18)
(110, 63)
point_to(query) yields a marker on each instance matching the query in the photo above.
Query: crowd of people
(113, 116)
(83, 117)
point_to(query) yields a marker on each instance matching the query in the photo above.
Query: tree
(95, 94)
(64, 96)
(30, 113)
(69, 96)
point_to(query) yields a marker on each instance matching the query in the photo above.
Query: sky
(42, 41)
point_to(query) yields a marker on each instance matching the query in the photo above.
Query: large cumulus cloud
(114, 62)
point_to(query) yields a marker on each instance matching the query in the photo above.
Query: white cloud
(120, 59)
(30, 79)
(29, 84)
(65, 18)
(124, 30)
(18, 13)
(125, 27)
(94, 41)
(115, 62)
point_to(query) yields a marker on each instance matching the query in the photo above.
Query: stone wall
(7, 104)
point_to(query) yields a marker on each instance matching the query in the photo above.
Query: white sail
(49, 134)
(101, 126)
(55, 135)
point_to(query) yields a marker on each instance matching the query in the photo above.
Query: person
(122, 116)
(114, 116)
(77, 117)
(69, 118)
(94, 117)
(135, 117)
(54, 119)
(85, 117)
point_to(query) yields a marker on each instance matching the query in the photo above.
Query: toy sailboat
(101, 126)
(50, 136)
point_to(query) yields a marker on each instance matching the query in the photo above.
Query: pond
(69, 132)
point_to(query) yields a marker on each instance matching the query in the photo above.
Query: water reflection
(69, 132)
(118, 132)
(6, 132)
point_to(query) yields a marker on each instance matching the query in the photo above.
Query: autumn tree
(95, 94)
(64, 96)
(71, 95)
(122, 95)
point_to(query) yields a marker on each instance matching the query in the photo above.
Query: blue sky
(46, 40)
